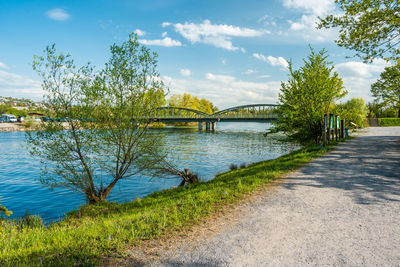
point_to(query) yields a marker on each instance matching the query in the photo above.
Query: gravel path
(341, 209)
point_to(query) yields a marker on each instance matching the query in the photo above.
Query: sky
(230, 52)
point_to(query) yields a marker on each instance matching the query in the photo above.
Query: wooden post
(336, 127)
(325, 126)
(329, 128)
(342, 128)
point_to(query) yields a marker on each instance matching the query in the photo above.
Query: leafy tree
(17, 112)
(193, 102)
(370, 27)
(105, 114)
(3, 108)
(380, 110)
(353, 111)
(387, 87)
(306, 97)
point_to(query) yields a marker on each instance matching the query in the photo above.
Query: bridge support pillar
(207, 125)
(200, 126)
(213, 126)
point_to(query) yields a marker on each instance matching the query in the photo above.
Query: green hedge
(389, 122)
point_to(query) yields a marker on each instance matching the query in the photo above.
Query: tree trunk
(398, 115)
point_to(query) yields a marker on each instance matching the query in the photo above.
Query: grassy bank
(109, 228)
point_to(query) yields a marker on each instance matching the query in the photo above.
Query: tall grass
(108, 229)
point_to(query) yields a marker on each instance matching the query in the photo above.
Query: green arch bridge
(246, 113)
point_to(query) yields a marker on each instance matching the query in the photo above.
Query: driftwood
(186, 175)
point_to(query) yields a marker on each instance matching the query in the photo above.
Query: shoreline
(12, 127)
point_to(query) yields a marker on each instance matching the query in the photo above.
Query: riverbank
(107, 230)
(12, 127)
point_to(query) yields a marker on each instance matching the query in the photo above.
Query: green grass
(108, 229)
(384, 122)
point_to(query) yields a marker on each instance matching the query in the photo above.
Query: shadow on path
(367, 168)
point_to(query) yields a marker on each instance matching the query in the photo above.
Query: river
(204, 153)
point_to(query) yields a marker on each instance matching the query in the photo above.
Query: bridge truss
(246, 113)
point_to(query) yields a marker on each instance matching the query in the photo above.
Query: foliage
(29, 122)
(306, 97)
(192, 102)
(17, 112)
(370, 27)
(387, 87)
(5, 211)
(4, 108)
(105, 114)
(110, 228)
(389, 122)
(380, 110)
(353, 111)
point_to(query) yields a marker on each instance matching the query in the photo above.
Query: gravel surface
(343, 209)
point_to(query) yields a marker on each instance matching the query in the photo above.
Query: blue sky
(230, 52)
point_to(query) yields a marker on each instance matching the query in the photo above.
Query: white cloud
(278, 61)
(305, 26)
(223, 61)
(249, 71)
(166, 24)
(139, 32)
(3, 66)
(358, 76)
(267, 20)
(164, 34)
(361, 69)
(260, 57)
(316, 7)
(15, 85)
(263, 76)
(185, 72)
(274, 61)
(167, 42)
(218, 35)
(226, 91)
(58, 14)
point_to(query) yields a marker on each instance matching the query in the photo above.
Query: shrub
(389, 122)
(233, 167)
(30, 221)
(243, 165)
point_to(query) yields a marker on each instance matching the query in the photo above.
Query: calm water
(204, 153)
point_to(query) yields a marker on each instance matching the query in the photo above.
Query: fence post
(336, 127)
(342, 129)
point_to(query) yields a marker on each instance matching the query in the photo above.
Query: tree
(101, 135)
(306, 97)
(353, 111)
(387, 87)
(193, 102)
(370, 27)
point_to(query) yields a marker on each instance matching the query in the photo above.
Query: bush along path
(342, 209)
(95, 232)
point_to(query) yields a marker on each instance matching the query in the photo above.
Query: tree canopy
(99, 134)
(193, 102)
(353, 111)
(370, 27)
(307, 95)
(387, 87)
